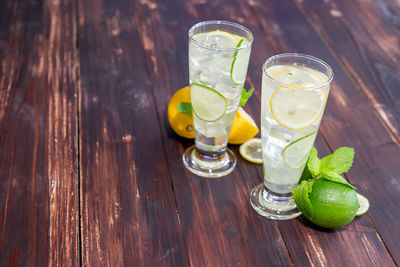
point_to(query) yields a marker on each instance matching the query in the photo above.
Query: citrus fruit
(243, 128)
(181, 123)
(296, 153)
(217, 39)
(364, 205)
(252, 151)
(208, 104)
(333, 204)
(239, 63)
(296, 107)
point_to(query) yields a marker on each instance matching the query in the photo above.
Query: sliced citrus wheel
(239, 64)
(243, 128)
(296, 153)
(252, 151)
(364, 205)
(208, 104)
(217, 39)
(296, 107)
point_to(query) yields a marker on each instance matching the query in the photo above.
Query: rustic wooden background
(91, 173)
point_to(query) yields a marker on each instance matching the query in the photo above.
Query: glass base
(207, 166)
(272, 205)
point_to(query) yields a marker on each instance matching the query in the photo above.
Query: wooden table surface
(91, 172)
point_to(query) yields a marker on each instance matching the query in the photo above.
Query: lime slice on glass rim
(208, 104)
(240, 58)
(364, 205)
(296, 153)
(296, 107)
(251, 150)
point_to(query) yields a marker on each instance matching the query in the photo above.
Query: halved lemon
(252, 150)
(297, 107)
(364, 205)
(243, 128)
(208, 104)
(296, 153)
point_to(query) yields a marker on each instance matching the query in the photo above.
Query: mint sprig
(330, 167)
(186, 107)
(245, 96)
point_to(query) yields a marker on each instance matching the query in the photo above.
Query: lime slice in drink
(207, 103)
(251, 150)
(297, 107)
(364, 205)
(239, 64)
(296, 153)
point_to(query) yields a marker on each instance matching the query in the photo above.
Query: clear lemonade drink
(291, 115)
(219, 53)
(216, 84)
(295, 89)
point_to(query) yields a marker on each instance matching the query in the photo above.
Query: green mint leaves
(301, 196)
(245, 96)
(338, 162)
(185, 108)
(329, 167)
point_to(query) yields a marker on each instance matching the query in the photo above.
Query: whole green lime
(333, 204)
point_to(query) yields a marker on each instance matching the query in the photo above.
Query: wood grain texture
(128, 211)
(364, 36)
(349, 120)
(219, 226)
(38, 178)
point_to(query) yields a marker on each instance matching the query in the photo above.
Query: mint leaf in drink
(339, 161)
(301, 195)
(245, 96)
(185, 108)
(314, 163)
(335, 177)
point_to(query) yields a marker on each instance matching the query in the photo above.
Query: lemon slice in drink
(296, 153)
(239, 64)
(217, 39)
(297, 107)
(207, 103)
(252, 151)
(364, 205)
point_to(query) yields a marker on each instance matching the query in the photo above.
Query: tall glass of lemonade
(219, 53)
(295, 89)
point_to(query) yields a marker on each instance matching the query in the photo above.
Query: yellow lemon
(243, 128)
(181, 123)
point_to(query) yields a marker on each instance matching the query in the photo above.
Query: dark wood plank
(219, 225)
(348, 120)
(364, 36)
(128, 208)
(38, 177)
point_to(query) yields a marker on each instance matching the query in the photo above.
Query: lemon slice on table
(296, 107)
(364, 205)
(239, 64)
(243, 128)
(296, 153)
(252, 151)
(208, 104)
